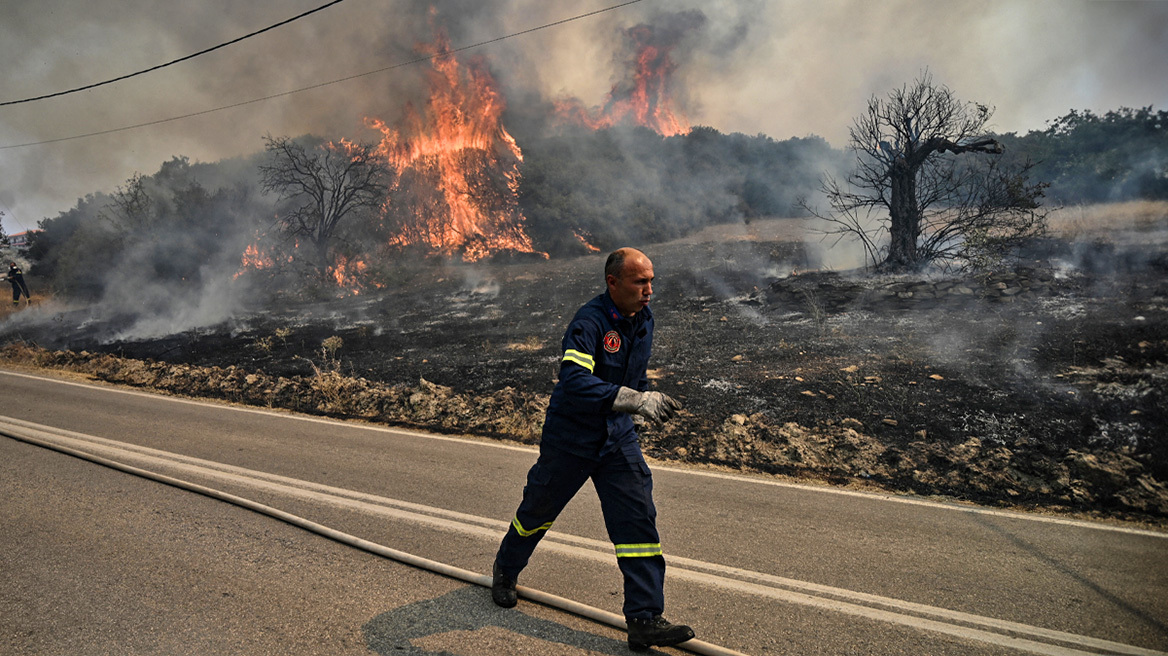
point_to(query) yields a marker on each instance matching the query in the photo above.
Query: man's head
(629, 276)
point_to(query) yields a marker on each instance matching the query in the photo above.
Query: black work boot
(503, 589)
(657, 631)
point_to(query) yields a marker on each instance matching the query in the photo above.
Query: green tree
(1090, 158)
(131, 210)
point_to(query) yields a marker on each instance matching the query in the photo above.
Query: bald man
(588, 433)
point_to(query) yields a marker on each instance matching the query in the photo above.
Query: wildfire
(642, 99)
(349, 274)
(583, 237)
(458, 166)
(255, 258)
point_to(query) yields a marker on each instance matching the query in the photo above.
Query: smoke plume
(779, 68)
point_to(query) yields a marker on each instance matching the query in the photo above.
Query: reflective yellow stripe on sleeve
(526, 533)
(582, 359)
(638, 550)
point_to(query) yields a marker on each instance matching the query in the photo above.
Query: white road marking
(657, 465)
(1003, 633)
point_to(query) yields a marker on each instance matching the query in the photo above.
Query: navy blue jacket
(603, 351)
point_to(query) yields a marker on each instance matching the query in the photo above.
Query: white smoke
(782, 68)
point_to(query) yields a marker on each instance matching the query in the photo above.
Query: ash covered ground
(1042, 385)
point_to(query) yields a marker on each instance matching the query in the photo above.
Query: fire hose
(42, 439)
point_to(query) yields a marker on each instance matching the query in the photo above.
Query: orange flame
(257, 257)
(643, 100)
(458, 166)
(253, 259)
(584, 240)
(348, 274)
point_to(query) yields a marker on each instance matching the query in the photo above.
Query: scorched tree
(911, 200)
(323, 186)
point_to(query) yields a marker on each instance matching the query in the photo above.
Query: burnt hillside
(1040, 385)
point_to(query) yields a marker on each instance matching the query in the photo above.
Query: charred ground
(1039, 385)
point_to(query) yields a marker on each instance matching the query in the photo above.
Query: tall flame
(458, 166)
(642, 99)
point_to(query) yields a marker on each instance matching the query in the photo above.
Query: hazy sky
(782, 68)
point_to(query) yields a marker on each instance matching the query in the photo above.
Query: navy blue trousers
(625, 488)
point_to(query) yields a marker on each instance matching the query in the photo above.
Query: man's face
(631, 290)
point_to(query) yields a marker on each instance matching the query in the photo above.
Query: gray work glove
(654, 406)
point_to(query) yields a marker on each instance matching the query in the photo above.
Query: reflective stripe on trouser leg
(638, 550)
(524, 532)
(551, 483)
(625, 487)
(643, 567)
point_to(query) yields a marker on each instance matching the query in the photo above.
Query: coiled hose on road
(29, 436)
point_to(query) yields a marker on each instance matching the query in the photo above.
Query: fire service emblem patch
(612, 341)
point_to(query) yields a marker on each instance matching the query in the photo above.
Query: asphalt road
(98, 561)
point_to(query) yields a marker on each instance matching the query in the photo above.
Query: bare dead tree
(323, 187)
(911, 201)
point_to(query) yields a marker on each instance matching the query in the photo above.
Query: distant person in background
(16, 278)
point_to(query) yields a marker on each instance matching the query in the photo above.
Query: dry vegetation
(1044, 385)
(1111, 222)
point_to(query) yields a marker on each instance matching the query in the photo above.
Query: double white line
(1022, 637)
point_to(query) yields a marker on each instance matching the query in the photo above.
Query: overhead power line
(171, 63)
(7, 212)
(325, 84)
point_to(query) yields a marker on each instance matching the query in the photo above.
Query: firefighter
(588, 433)
(16, 278)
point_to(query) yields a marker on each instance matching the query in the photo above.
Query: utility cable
(325, 84)
(44, 440)
(171, 63)
(7, 211)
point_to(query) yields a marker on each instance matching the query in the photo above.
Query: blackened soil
(1038, 385)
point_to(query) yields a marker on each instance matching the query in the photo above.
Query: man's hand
(657, 407)
(654, 406)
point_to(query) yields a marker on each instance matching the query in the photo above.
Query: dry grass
(7, 309)
(1101, 222)
(758, 230)
(1071, 221)
(529, 345)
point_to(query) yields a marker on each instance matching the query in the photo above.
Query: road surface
(97, 561)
